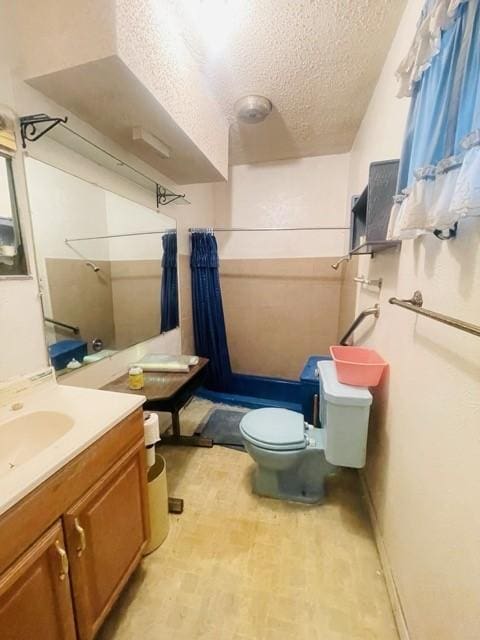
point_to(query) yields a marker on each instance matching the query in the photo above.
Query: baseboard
(387, 571)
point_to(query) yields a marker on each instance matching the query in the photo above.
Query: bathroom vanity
(69, 545)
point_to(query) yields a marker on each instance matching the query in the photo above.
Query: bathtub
(256, 392)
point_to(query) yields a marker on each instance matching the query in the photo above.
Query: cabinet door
(35, 600)
(106, 531)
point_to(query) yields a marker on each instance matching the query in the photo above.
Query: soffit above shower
(106, 63)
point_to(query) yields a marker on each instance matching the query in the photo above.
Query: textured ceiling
(316, 60)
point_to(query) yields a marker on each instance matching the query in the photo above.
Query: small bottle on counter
(135, 378)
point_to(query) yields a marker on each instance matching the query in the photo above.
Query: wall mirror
(107, 267)
(12, 255)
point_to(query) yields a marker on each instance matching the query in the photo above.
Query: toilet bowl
(292, 457)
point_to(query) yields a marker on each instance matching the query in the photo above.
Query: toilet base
(304, 483)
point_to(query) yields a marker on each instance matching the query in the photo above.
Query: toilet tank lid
(338, 393)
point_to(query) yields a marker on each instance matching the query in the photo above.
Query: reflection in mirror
(169, 303)
(107, 265)
(12, 257)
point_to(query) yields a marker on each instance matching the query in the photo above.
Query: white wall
(310, 192)
(20, 309)
(424, 446)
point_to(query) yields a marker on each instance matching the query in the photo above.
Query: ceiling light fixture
(252, 109)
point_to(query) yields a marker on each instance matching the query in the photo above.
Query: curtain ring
(448, 235)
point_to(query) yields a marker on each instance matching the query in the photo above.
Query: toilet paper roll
(151, 430)
(150, 454)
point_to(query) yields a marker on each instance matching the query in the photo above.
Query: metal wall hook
(446, 234)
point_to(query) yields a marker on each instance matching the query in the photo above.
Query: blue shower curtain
(169, 295)
(439, 177)
(208, 318)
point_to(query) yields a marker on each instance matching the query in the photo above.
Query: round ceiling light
(252, 109)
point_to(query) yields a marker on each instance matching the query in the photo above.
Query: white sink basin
(24, 437)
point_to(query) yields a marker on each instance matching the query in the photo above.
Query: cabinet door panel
(106, 532)
(35, 600)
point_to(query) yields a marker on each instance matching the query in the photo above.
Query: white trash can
(158, 503)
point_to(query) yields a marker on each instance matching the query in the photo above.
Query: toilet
(292, 457)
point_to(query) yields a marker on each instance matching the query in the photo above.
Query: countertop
(93, 412)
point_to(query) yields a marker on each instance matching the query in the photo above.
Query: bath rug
(223, 426)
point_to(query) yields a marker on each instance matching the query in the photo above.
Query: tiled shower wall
(278, 311)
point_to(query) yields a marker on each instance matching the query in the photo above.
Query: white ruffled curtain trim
(441, 195)
(426, 44)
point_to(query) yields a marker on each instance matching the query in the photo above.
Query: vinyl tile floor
(236, 566)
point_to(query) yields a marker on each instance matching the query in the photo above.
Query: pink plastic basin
(357, 366)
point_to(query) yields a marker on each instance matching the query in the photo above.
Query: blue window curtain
(208, 319)
(169, 292)
(439, 177)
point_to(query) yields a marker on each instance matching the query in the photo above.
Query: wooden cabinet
(35, 600)
(106, 531)
(58, 582)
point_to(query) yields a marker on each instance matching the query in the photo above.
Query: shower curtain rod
(212, 229)
(122, 235)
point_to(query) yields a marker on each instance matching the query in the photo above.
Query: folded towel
(173, 367)
(162, 362)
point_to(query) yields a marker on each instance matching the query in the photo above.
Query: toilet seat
(274, 429)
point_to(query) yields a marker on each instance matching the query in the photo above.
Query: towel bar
(415, 304)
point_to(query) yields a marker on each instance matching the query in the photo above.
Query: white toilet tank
(344, 412)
